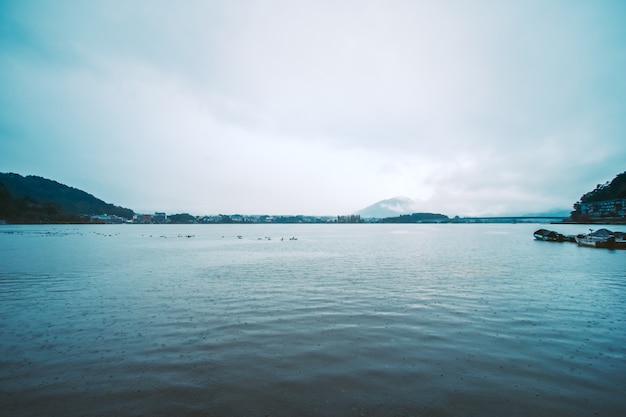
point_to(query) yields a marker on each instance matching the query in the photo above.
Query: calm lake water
(347, 320)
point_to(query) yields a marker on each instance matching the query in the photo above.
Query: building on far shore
(606, 208)
(108, 219)
(602, 210)
(159, 218)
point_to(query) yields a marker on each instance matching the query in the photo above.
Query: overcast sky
(316, 107)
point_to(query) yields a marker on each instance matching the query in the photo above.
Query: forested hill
(418, 218)
(37, 199)
(608, 191)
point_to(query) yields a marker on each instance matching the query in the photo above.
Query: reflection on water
(346, 320)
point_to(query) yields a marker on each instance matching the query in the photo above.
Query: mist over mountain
(33, 199)
(548, 213)
(391, 207)
(404, 206)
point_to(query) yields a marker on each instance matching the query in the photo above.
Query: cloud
(316, 107)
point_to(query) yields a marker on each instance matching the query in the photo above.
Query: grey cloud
(502, 86)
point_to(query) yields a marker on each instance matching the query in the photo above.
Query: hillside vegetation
(33, 199)
(610, 212)
(607, 191)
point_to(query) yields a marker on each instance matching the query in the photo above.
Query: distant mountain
(550, 213)
(35, 199)
(391, 207)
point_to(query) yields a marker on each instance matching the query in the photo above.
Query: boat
(601, 238)
(620, 240)
(548, 235)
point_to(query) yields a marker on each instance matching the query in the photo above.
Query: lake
(309, 320)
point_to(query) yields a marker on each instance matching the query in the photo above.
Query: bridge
(509, 219)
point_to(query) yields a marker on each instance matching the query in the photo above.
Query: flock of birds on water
(75, 232)
(190, 236)
(223, 237)
(238, 237)
(267, 238)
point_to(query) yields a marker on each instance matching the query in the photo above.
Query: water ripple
(385, 321)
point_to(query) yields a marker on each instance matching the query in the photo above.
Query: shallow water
(347, 320)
